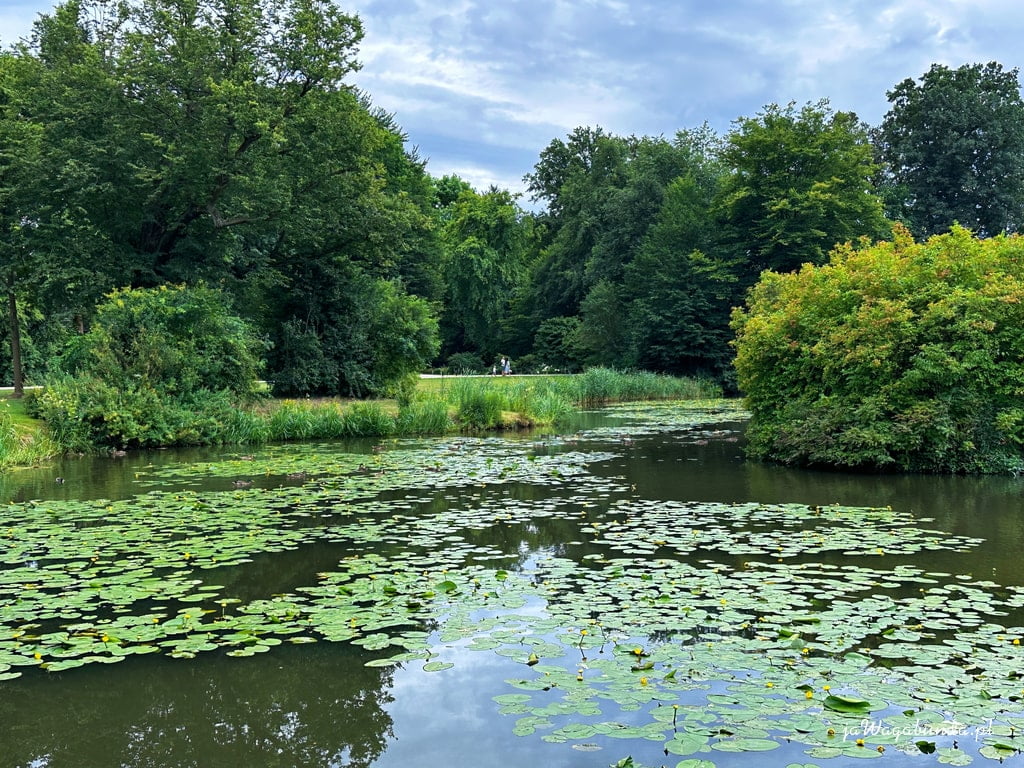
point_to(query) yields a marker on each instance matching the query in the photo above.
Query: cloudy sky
(482, 86)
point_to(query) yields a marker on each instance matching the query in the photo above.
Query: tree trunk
(19, 380)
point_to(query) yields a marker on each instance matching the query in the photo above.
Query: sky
(481, 87)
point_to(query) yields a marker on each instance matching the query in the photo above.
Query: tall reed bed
(468, 403)
(477, 403)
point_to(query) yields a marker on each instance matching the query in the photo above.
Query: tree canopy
(219, 141)
(953, 145)
(801, 183)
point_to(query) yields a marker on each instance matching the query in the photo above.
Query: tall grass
(477, 405)
(460, 403)
(424, 416)
(463, 403)
(21, 447)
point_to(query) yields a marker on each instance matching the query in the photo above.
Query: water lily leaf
(846, 704)
(686, 743)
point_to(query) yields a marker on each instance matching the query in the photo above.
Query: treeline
(219, 143)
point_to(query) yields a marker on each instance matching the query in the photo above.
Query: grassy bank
(23, 439)
(442, 405)
(436, 406)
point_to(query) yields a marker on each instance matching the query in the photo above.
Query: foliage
(465, 363)
(84, 413)
(953, 145)
(172, 340)
(679, 292)
(801, 184)
(557, 343)
(602, 336)
(486, 239)
(363, 338)
(900, 355)
(602, 192)
(179, 142)
(159, 367)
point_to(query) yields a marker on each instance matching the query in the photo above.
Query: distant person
(506, 367)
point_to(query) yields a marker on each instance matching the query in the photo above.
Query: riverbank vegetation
(144, 148)
(89, 417)
(23, 440)
(900, 355)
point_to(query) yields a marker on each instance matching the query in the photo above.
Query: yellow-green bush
(897, 355)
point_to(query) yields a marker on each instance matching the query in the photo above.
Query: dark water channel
(318, 705)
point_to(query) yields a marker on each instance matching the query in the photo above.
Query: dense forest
(220, 144)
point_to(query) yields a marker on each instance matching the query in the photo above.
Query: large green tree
(953, 148)
(679, 288)
(19, 151)
(573, 179)
(218, 140)
(801, 182)
(486, 241)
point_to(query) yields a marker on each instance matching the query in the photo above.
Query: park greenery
(899, 355)
(217, 155)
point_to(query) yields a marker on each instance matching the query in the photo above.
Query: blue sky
(482, 86)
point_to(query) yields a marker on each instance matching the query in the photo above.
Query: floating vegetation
(706, 628)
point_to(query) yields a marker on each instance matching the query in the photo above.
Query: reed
(460, 404)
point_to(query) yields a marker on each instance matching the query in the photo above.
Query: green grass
(23, 439)
(436, 406)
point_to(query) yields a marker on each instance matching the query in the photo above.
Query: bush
(465, 363)
(159, 367)
(173, 340)
(893, 356)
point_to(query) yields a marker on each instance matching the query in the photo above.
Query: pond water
(630, 592)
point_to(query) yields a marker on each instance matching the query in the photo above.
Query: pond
(630, 592)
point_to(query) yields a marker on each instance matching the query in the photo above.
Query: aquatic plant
(705, 627)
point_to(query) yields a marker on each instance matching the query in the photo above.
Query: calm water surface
(318, 705)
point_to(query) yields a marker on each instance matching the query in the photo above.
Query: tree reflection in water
(310, 705)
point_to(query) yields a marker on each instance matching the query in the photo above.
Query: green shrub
(900, 355)
(175, 340)
(85, 414)
(464, 363)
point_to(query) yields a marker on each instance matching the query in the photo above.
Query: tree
(19, 152)
(900, 355)
(486, 241)
(679, 289)
(602, 336)
(953, 148)
(573, 178)
(218, 140)
(801, 183)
